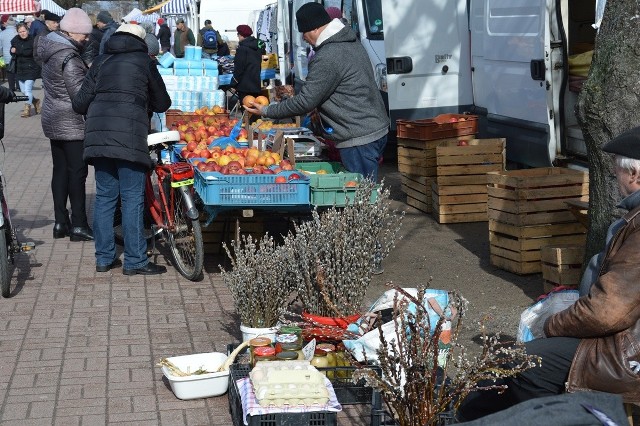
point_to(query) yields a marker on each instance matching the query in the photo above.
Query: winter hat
(160, 21)
(4, 19)
(148, 27)
(311, 16)
(76, 21)
(334, 12)
(244, 30)
(50, 16)
(134, 29)
(180, 21)
(104, 17)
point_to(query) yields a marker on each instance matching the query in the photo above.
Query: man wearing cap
(595, 343)
(182, 37)
(51, 21)
(164, 36)
(106, 24)
(340, 85)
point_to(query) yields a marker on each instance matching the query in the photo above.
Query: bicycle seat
(163, 137)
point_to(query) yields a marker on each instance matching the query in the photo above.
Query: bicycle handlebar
(19, 99)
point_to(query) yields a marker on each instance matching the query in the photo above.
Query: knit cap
(134, 29)
(311, 16)
(76, 21)
(244, 30)
(104, 17)
(160, 21)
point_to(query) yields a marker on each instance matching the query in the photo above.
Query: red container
(341, 322)
(439, 127)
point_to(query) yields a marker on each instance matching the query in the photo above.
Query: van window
(373, 18)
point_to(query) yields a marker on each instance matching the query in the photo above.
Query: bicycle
(10, 245)
(171, 211)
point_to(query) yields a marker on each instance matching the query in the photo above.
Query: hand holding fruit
(255, 105)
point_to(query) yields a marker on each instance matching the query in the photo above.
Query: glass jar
(295, 347)
(287, 356)
(257, 342)
(332, 362)
(320, 360)
(263, 353)
(289, 334)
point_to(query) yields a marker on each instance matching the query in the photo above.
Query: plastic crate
(315, 418)
(224, 79)
(332, 167)
(438, 127)
(251, 190)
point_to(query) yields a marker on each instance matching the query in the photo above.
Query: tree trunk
(608, 105)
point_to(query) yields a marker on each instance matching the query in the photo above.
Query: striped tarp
(52, 6)
(14, 7)
(152, 18)
(176, 7)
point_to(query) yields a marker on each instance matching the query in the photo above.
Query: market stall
(18, 7)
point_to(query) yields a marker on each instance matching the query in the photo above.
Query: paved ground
(79, 348)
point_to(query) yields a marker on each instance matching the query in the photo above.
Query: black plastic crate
(316, 418)
(381, 417)
(347, 392)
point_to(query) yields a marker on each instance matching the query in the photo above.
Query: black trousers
(548, 379)
(68, 181)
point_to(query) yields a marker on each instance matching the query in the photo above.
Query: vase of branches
(260, 282)
(420, 383)
(334, 254)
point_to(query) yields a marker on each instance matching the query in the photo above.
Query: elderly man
(51, 21)
(595, 343)
(340, 85)
(182, 37)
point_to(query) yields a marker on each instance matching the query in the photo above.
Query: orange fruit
(262, 100)
(248, 101)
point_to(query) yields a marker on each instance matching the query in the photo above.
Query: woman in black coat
(27, 69)
(247, 64)
(119, 90)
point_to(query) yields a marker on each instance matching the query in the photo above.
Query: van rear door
(515, 77)
(427, 52)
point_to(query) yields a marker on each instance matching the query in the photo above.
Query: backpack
(209, 39)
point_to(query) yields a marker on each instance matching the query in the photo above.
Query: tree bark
(608, 105)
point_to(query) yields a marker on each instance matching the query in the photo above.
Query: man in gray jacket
(341, 86)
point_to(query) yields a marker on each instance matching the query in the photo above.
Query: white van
(226, 15)
(505, 60)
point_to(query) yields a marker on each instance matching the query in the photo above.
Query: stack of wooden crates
(528, 211)
(443, 168)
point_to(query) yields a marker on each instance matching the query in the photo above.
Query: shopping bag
(12, 66)
(533, 318)
(366, 346)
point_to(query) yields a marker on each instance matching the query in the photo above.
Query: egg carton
(288, 383)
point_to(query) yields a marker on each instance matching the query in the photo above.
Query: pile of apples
(235, 161)
(207, 128)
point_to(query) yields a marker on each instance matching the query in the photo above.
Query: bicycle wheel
(185, 241)
(5, 273)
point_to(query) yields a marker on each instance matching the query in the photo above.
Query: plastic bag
(533, 318)
(366, 346)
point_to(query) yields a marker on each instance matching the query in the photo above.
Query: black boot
(60, 230)
(81, 233)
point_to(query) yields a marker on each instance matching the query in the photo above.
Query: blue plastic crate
(217, 189)
(267, 74)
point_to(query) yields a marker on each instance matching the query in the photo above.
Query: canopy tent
(52, 6)
(176, 7)
(129, 16)
(155, 8)
(17, 7)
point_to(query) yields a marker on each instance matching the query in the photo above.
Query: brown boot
(26, 112)
(37, 105)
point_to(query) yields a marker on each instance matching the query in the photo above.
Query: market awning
(155, 8)
(175, 7)
(52, 6)
(152, 18)
(17, 7)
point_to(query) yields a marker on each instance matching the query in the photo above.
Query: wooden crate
(459, 191)
(418, 191)
(518, 248)
(561, 266)
(418, 157)
(535, 196)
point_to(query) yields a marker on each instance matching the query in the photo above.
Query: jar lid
(264, 351)
(320, 352)
(260, 341)
(327, 347)
(287, 355)
(290, 329)
(291, 346)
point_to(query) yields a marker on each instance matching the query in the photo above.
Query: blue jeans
(364, 159)
(127, 180)
(26, 87)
